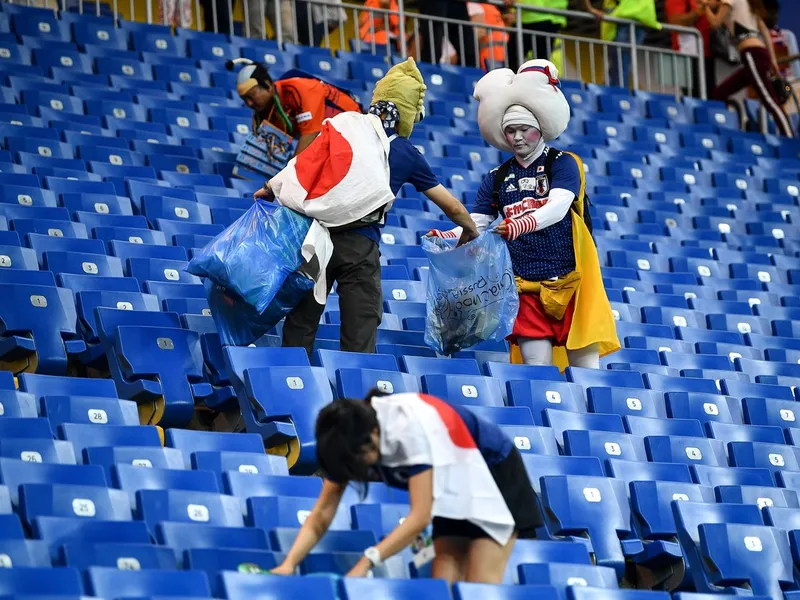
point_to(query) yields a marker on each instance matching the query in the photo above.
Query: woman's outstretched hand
(361, 568)
(283, 569)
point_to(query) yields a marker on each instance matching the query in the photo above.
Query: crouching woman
(460, 471)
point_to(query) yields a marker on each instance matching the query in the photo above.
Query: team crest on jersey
(542, 185)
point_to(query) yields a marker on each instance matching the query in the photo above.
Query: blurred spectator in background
(642, 11)
(175, 13)
(784, 41)
(532, 23)
(491, 42)
(432, 33)
(745, 20)
(692, 13)
(217, 15)
(380, 28)
(258, 9)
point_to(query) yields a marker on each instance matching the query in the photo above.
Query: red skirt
(532, 322)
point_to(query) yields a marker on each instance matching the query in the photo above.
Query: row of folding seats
(593, 584)
(594, 488)
(583, 500)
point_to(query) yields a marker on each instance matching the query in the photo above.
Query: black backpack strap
(499, 177)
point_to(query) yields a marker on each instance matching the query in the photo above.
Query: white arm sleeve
(556, 208)
(482, 222)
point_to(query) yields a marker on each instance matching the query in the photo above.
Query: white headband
(519, 115)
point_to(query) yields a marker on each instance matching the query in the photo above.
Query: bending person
(483, 500)
(355, 262)
(295, 105)
(539, 194)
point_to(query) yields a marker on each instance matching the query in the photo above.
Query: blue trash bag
(471, 294)
(255, 255)
(240, 324)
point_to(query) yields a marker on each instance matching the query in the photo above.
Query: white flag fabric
(417, 429)
(343, 176)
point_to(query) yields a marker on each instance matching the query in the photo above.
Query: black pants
(432, 47)
(223, 15)
(540, 45)
(711, 78)
(356, 267)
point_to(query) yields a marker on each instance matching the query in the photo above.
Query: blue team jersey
(542, 254)
(494, 445)
(406, 165)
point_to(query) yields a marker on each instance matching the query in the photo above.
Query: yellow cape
(592, 322)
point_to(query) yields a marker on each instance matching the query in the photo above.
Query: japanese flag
(342, 176)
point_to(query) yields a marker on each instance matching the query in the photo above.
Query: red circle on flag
(325, 163)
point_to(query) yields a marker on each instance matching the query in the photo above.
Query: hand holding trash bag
(472, 293)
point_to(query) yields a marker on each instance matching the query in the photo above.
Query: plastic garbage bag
(255, 255)
(471, 294)
(240, 324)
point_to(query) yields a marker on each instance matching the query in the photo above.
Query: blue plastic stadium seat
(759, 495)
(132, 479)
(690, 451)
(183, 536)
(207, 441)
(43, 500)
(395, 589)
(96, 435)
(356, 383)
(17, 404)
(48, 316)
(82, 555)
(242, 585)
(46, 385)
(332, 361)
(273, 512)
(464, 389)
(281, 403)
(14, 473)
(183, 506)
(111, 582)
(45, 581)
(565, 575)
(172, 377)
(594, 505)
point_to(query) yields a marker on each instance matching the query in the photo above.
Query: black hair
(343, 431)
(757, 8)
(260, 74)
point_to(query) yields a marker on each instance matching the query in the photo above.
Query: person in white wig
(539, 193)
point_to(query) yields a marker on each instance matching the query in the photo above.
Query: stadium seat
(236, 585)
(38, 329)
(105, 581)
(281, 404)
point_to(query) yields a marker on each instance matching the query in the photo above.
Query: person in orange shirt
(295, 105)
(491, 42)
(372, 26)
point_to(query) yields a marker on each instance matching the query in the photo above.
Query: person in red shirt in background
(295, 105)
(692, 13)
